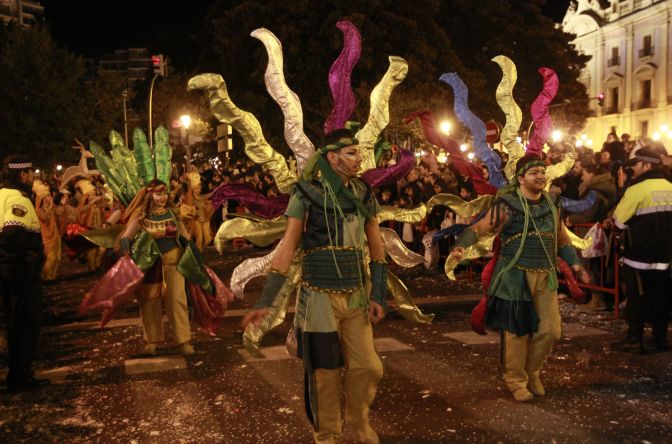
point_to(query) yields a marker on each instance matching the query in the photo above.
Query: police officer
(21, 258)
(644, 217)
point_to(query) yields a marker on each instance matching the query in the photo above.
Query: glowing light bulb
(445, 126)
(664, 128)
(584, 136)
(556, 135)
(471, 156)
(655, 136)
(463, 147)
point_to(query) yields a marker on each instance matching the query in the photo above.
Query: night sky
(93, 28)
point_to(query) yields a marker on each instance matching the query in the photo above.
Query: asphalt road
(439, 386)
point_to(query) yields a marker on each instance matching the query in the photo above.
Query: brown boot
(596, 303)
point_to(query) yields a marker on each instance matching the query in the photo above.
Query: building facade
(25, 12)
(630, 42)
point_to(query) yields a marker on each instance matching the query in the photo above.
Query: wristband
(274, 282)
(466, 239)
(125, 246)
(568, 253)
(378, 271)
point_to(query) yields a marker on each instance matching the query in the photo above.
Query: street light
(556, 135)
(471, 156)
(185, 121)
(445, 127)
(463, 147)
(655, 136)
(59, 167)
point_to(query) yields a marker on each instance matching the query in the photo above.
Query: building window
(647, 47)
(644, 127)
(614, 60)
(645, 96)
(613, 101)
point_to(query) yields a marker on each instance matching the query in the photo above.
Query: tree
(516, 28)
(40, 94)
(47, 101)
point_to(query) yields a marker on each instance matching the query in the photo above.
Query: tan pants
(52, 262)
(94, 258)
(363, 371)
(175, 298)
(525, 355)
(202, 235)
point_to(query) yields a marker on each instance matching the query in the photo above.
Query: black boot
(661, 343)
(631, 344)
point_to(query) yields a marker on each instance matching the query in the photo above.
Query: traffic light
(600, 99)
(159, 65)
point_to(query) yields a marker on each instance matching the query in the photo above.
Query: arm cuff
(378, 271)
(274, 282)
(568, 253)
(466, 239)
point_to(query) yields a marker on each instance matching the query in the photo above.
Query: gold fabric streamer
(399, 253)
(576, 241)
(459, 206)
(561, 168)
(514, 115)
(276, 315)
(480, 248)
(289, 102)
(409, 215)
(256, 146)
(404, 302)
(104, 238)
(260, 233)
(379, 113)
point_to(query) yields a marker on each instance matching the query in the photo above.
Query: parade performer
(331, 218)
(197, 212)
(159, 237)
(159, 262)
(21, 258)
(51, 236)
(522, 295)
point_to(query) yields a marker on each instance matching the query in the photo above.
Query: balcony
(611, 110)
(642, 104)
(614, 61)
(647, 51)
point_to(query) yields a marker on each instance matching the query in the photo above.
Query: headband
(338, 145)
(530, 164)
(156, 188)
(312, 163)
(19, 166)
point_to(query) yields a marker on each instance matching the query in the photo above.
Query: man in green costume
(332, 217)
(522, 295)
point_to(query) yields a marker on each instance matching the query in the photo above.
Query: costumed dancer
(332, 217)
(159, 263)
(158, 238)
(197, 212)
(51, 236)
(522, 295)
(21, 258)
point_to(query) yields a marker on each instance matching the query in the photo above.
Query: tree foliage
(47, 101)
